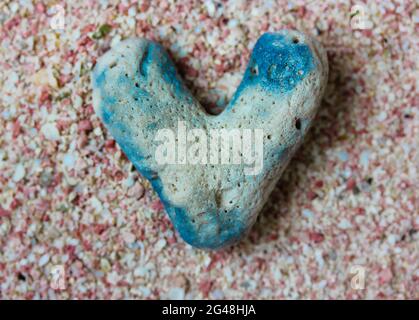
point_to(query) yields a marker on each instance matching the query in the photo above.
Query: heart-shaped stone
(212, 197)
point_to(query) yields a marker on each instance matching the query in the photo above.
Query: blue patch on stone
(278, 64)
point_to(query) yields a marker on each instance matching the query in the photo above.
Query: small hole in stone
(254, 70)
(269, 137)
(295, 40)
(136, 84)
(298, 124)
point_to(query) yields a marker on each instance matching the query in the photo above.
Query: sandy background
(70, 201)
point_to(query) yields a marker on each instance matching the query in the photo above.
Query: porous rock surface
(137, 93)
